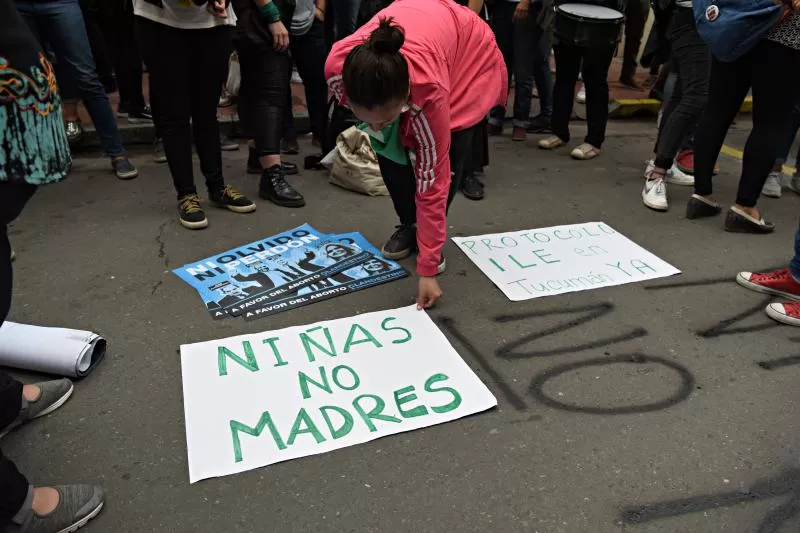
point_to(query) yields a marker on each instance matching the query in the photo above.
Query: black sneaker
(123, 168)
(472, 187)
(539, 124)
(190, 213)
(290, 147)
(230, 198)
(139, 116)
(273, 187)
(737, 221)
(227, 145)
(401, 244)
(699, 207)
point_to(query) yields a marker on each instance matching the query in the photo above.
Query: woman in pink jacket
(422, 74)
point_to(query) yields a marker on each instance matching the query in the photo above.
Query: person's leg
(64, 28)
(345, 18)
(402, 187)
(542, 75)
(461, 148)
(472, 182)
(127, 61)
(500, 20)
(568, 64)
(526, 34)
(636, 12)
(211, 49)
(308, 52)
(167, 54)
(775, 81)
(265, 85)
(692, 61)
(727, 86)
(595, 78)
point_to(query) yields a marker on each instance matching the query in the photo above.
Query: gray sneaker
(772, 187)
(794, 183)
(54, 395)
(76, 506)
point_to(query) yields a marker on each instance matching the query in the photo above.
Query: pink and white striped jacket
(457, 75)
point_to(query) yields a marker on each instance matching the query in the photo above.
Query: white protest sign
(254, 400)
(543, 262)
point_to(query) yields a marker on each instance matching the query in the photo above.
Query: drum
(587, 25)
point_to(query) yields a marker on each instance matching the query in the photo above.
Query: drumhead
(591, 12)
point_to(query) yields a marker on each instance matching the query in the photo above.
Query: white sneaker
(772, 187)
(674, 175)
(581, 98)
(794, 183)
(654, 194)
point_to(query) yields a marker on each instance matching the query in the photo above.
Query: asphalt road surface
(664, 406)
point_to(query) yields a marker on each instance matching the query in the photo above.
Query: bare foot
(752, 211)
(45, 500)
(31, 392)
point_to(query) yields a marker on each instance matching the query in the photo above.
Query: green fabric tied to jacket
(386, 142)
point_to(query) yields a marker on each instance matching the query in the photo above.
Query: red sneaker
(779, 283)
(519, 134)
(786, 313)
(685, 162)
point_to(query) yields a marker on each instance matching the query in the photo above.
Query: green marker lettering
(456, 396)
(308, 342)
(223, 353)
(277, 353)
(396, 328)
(402, 397)
(347, 424)
(374, 413)
(323, 384)
(264, 421)
(367, 338)
(304, 424)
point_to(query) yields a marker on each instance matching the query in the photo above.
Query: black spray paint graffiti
(579, 316)
(785, 484)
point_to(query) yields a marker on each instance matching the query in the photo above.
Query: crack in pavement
(160, 240)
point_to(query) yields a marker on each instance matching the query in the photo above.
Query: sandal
(585, 151)
(551, 143)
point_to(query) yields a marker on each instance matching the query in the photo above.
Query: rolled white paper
(62, 351)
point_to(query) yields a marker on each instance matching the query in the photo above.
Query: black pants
(125, 53)
(187, 70)
(636, 12)
(402, 184)
(773, 72)
(13, 485)
(691, 61)
(593, 63)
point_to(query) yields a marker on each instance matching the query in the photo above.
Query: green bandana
(386, 142)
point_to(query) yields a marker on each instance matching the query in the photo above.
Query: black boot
(273, 187)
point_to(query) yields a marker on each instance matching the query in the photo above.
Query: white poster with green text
(255, 400)
(543, 262)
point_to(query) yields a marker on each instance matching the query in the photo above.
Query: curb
(139, 134)
(648, 107)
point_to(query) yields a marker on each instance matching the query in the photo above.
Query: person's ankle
(31, 393)
(45, 500)
(752, 211)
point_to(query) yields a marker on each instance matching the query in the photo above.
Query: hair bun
(388, 38)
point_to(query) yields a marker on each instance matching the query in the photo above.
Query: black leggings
(13, 485)
(593, 63)
(402, 184)
(265, 104)
(771, 69)
(187, 69)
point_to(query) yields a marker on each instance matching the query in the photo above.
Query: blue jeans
(529, 54)
(60, 23)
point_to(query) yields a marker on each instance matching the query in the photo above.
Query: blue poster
(284, 271)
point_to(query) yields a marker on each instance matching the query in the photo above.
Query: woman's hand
(521, 13)
(280, 37)
(429, 292)
(320, 13)
(218, 9)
